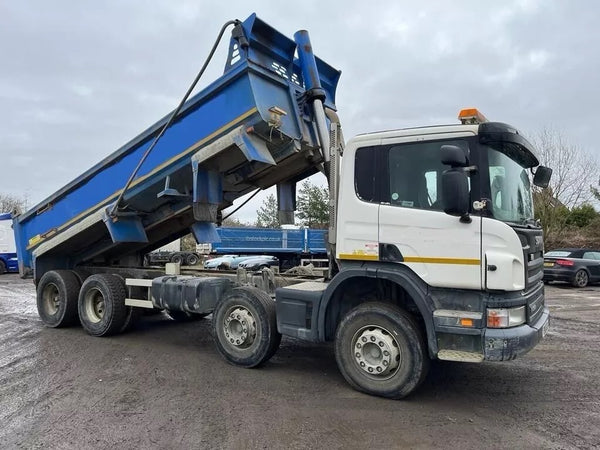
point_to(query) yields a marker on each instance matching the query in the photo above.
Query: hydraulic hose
(240, 207)
(243, 43)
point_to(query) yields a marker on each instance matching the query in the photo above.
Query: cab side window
(365, 179)
(415, 172)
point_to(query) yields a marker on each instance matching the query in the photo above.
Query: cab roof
(419, 131)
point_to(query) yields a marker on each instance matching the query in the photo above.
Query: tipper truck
(434, 250)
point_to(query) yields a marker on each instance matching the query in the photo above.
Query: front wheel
(245, 327)
(581, 279)
(380, 350)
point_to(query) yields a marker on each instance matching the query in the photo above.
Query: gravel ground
(163, 385)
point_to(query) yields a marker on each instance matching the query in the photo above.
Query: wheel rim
(376, 352)
(51, 298)
(93, 303)
(581, 278)
(239, 327)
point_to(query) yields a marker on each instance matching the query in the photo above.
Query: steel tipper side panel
(257, 104)
(253, 240)
(269, 240)
(315, 241)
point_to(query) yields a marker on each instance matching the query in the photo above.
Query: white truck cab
(438, 254)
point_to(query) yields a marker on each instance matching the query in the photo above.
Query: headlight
(506, 317)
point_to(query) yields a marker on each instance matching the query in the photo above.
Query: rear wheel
(57, 293)
(101, 305)
(245, 328)
(81, 275)
(192, 260)
(581, 279)
(177, 259)
(2, 267)
(380, 350)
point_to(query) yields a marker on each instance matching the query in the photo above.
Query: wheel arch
(398, 285)
(585, 268)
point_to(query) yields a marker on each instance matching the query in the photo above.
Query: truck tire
(101, 305)
(380, 350)
(192, 260)
(184, 316)
(177, 259)
(57, 293)
(132, 316)
(245, 328)
(132, 313)
(81, 275)
(2, 267)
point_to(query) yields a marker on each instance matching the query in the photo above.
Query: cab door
(413, 228)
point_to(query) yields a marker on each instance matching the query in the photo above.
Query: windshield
(510, 188)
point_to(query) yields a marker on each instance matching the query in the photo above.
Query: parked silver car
(259, 262)
(226, 262)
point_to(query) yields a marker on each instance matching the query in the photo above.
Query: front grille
(535, 306)
(535, 269)
(533, 254)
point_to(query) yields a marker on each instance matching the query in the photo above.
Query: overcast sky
(80, 78)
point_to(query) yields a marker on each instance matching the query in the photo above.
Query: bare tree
(574, 171)
(12, 204)
(234, 222)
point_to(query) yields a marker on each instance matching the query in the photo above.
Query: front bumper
(479, 343)
(508, 343)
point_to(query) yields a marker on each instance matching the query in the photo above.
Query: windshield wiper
(530, 222)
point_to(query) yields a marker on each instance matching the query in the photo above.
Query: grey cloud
(79, 79)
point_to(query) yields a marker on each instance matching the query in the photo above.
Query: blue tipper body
(249, 129)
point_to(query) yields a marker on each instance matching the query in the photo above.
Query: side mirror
(542, 176)
(453, 156)
(455, 194)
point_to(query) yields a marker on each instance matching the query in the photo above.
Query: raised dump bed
(249, 129)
